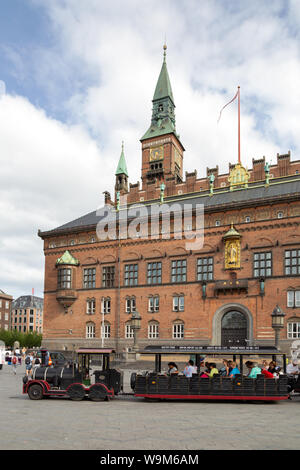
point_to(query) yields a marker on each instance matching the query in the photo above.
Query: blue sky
(79, 79)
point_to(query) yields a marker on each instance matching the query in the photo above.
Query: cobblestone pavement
(126, 423)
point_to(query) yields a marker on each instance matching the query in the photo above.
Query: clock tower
(162, 151)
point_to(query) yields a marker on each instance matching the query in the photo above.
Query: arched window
(105, 330)
(128, 331)
(90, 306)
(90, 330)
(130, 304)
(105, 305)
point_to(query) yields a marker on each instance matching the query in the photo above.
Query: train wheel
(97, 393)
(76, 392)
(35, 392)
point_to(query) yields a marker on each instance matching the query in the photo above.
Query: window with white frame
(129, 333)
(105, 305)
(90, 330)
(153, 303)
(153, 330)
(130, 305)
(105, 330)
(178, 330)
(90, 306)
(293, 329)
(178, 303)
(293, 298)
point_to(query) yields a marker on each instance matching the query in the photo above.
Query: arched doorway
(234, 329)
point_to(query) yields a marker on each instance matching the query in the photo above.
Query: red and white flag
(235, 96)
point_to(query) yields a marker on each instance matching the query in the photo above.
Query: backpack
(14, 361)
(27, 360)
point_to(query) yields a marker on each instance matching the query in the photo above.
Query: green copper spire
(163, 116)
(163, 88)
(122, 167)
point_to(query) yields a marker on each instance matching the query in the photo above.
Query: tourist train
(79, 379)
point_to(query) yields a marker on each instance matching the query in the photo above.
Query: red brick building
(222, 293)
(5, 310)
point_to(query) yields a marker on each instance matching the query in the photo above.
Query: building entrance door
(234, 329)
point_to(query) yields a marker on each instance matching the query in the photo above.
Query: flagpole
(239, 126)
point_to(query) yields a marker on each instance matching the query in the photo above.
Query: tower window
(160, 107)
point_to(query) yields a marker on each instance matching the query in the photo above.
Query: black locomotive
(75, 380)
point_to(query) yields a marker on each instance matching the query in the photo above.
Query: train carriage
(157, 385)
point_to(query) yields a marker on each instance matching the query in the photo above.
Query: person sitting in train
(253, 369)
(234, 370)
(265, 371)
(173, 369)
(189, 369)
(292, 369)
(212, 369)
(224, 370)
(274, 368)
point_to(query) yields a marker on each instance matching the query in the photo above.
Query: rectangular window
(178, 271)
(153, 331)
(178, 331)
(108, 276)
(293, 298)
(178, 303)
(90, 306)
(131, 275)
(128, 331)
(262, 264)
(293, 330)
(154, 273)
(153, 304)
(292, 262)
(89, 278)
(205, 269)
(64, 278)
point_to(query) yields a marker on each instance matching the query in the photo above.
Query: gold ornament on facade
(232, 248)
(238, 177)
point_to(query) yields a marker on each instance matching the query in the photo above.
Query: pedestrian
(28, 365)
(14, 362)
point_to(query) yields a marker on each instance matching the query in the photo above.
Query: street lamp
(277, 323)
(135, 325)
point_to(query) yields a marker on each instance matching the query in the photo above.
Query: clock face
(156, 153)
